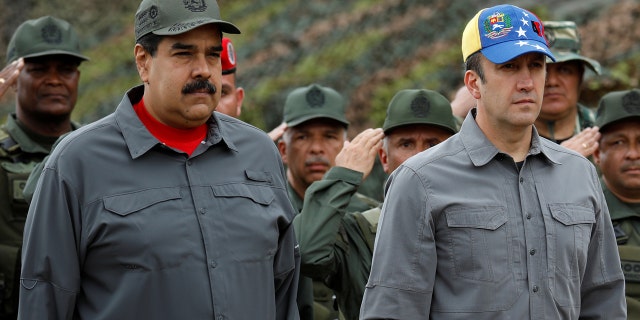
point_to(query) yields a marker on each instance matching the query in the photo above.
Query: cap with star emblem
(419, 106)
(312, 102)
(170, 17)
(564, 42)
(503, 33)
(44, 36)
(618, 105)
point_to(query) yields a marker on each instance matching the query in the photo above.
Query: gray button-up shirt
(464, 234)
(123, 227)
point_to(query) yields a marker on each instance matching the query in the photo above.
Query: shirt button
(532, 251)
(213, 264)
(220, 318)
(189, 162)
(521, 180)
(535, 288)
(528, 216)
(202, 210)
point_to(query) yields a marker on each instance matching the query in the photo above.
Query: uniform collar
(617, 208)
(482, 151)
(139, 140)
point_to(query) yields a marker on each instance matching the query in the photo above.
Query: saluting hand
(9, 74)
(360, 153)
(585, 142)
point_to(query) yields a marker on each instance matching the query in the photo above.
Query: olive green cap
(312, 102)
(618, 105)
(419, 106)
(44, 36)
(171, 17)
(564, 42)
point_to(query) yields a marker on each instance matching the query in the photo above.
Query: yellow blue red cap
(504, 32)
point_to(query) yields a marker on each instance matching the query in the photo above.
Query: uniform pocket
(568, 239)
(478, 241)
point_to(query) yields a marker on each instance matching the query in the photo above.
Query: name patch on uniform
(631, 270)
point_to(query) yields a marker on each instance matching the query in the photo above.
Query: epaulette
(9, 148)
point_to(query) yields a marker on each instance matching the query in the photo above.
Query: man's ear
(472, 81)
(282, 147)
(596, 156)
(384, 159)
(143, 60)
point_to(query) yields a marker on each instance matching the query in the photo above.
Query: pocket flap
(124, 204)
(258, 194)
(489, 218)
(571, 214)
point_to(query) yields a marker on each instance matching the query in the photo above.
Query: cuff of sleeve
(347, 175)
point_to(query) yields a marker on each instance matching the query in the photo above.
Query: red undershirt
(186, 140)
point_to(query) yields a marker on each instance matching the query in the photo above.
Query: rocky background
(366, 49)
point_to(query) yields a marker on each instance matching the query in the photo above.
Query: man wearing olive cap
(163, 209)
(562, 118)
(496, 222)
(43, 58)
(335, 244)
(316, 132)
(618, 157)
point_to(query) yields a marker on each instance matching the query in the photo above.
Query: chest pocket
(16, 175)
(568, 245)
(477, 239)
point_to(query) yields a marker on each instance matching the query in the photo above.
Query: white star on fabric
(525, 22)
(524, 13)
(522, 43)
(521, 33)
(540, 48)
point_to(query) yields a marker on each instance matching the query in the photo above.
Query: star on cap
(524, 21)
(521, 33)
(524, 13)
(522, 43)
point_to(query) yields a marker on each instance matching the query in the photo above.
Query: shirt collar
(481, 150)
(139, 140)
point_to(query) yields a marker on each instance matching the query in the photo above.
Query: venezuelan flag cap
(504, 32)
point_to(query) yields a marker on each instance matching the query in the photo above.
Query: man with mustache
(316, 132)
(163, 209)
(618, 157)
(43, 57)
(496, 222)
(562, 118)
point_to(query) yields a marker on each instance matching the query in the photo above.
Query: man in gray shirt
(496, 222)
(164, 209)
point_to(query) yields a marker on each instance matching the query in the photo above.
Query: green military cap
(564, 42)
(44, 36)
(419, 106)
(314, 101)
(171, 17)
(618, 105)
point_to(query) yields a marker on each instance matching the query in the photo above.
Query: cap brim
(428, 123)
(507, 51)
(568, 56)
(225, 27)
(300, 120)
(55, 52)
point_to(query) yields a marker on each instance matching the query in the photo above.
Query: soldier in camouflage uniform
(336, 244)
(618, 157)
(562, 119)
(316, 132)
(46, 92)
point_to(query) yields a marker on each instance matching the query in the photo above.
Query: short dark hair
(150, 42)
(473, 63)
